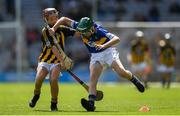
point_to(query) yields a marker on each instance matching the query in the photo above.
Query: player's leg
(95, 72)
(143, 77)
(170, 71)
(40, 76)
(163, 81)
(122, 72)
(161, 69)
(54, 87)
(168, 79)
(147, 73)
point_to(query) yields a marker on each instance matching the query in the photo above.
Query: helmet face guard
(85, 25)
(48, 12)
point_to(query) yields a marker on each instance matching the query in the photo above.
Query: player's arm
(68, 31)
(113, 40)
(62, 21)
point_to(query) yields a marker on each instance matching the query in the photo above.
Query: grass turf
(118, 99)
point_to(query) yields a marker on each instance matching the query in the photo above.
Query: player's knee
(39, 78)
(53, 79)
(128, 72)
(125, 73)
(55, 74)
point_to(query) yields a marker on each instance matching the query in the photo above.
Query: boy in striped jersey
(167, 56)
(50, 61)
(139, 57)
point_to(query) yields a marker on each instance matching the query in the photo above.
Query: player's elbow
(64, 21)
(117, 39)
(61, 21)
(63, 18)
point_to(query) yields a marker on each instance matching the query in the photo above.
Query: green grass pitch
(119, 99)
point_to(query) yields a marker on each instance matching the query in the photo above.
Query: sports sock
(36, 97)
(92, 98)
(54, 100)
(134, 79)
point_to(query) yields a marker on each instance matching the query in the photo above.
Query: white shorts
(139, 67)
(49, 67)
(105, 57)
(163, 68)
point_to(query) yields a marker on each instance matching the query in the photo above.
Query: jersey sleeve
(103, 31)
(109, 35)
(74, 24)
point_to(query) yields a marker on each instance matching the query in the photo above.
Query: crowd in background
(106, 10)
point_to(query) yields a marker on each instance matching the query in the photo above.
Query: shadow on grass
(71, 111)
(57, 111)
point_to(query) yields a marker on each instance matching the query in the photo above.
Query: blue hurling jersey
(100, 36)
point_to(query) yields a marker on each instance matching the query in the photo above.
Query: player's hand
(51, 31)
(99, 47)
(66, 64)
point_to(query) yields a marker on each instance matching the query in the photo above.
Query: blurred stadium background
(21, 24)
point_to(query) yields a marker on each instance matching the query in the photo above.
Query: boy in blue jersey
(100, 44)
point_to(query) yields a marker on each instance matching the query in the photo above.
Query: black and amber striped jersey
(167, 55)
(47, 42)
(139, 48)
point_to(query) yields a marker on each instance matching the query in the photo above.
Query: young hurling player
(50, 60)
(139, 57)
(167, 56)
(100, 43)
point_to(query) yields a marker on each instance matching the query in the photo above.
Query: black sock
(36, 97)
(53, 100)
(134, 79)
(163, 82)
(92, 98)
(54, 106)
(53, 103)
